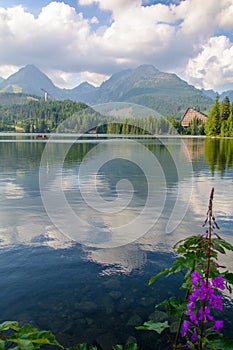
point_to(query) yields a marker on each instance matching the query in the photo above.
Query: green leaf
(25, 344)
(228, 277)
(33, 337)
(2, 344)
(9, 325)
(117, 347)
(154, 278)
(82, 346)
(218, 246)
(154, 326)
(130, 346)
(174, 306)
(188, 242)
(220, 342)
(224, 243)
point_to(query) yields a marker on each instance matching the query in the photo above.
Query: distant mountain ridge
(210, 93)
(228, 93)
(144, 85)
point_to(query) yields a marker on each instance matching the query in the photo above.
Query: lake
(85, 222)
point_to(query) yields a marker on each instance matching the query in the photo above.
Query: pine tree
(225, 109)
(213, 125)
(230, 124)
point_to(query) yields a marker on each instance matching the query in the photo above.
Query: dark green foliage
(128, 346)
(68, 116)
(220, 121)
(82, 346)
(213, 125)
(38, 115)
(225, 108)
(219, 342)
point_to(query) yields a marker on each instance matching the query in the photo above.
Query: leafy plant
(26, 337)
(197, 259)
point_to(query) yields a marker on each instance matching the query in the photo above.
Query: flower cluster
(205, 295)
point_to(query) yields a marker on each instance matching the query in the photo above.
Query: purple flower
(195, 277)
(194, 337)
(218, 282)
(194, 296)
(193, 318)
(216, 301)
(185, 328)
(205, 314)
(191, 305)
(218, 324)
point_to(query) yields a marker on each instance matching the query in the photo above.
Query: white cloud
(225, 17)
(213, 66)
(94, 20)
(6, 70)
(61, 78)
(171, 37)
(93, 78)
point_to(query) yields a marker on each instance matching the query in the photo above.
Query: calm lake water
(84, 224)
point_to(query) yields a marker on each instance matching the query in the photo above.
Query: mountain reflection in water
(98, 293)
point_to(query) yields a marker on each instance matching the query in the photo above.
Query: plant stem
(210, 229)
(175, 346)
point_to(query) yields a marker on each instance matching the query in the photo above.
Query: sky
(89, 40)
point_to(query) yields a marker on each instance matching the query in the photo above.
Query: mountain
(29, 80)
(147, 86)
(144, 85)
(210, 93)
(228, 93)
(81, 92)
(1, 80)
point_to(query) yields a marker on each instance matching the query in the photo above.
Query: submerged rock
(112, 284)
(158, 316)
(106, 341)
(87, 307)
(134, 320)
(115, 294)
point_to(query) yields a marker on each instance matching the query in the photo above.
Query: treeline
(219, 123)
(96, 123)
(38, 116)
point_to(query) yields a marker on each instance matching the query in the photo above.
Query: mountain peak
(30, 66)
(28, 80)
(147, 67)
(29, 71)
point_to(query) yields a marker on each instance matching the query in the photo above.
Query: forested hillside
(29, 114)
(39, 116)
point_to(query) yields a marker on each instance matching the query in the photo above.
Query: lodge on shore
(190, 114)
